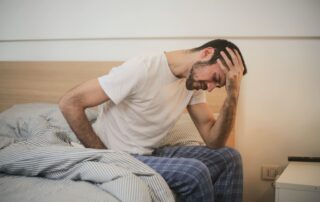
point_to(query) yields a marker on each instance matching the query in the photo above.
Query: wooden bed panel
(47, 81)
(23, 82)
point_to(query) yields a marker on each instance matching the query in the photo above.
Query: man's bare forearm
(81, 126)
(222, 127)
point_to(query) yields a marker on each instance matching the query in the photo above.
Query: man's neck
(181, 61)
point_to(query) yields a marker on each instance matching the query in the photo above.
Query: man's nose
(210, 86)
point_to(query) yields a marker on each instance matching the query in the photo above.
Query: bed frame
(47, 81)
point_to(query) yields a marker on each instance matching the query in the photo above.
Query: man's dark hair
(220, 45)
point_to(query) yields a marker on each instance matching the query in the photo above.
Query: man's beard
(195, 85)
(191, 84)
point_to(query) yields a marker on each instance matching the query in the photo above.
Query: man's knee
(222, 157)
(199, 170)
(233, 154)
(193, 172)
(195, 175)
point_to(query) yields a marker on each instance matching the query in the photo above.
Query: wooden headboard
(26, 82)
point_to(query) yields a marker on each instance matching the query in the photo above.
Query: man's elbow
(65, 103)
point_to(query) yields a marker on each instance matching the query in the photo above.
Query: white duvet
(35, 142)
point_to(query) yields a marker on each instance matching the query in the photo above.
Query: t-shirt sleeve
(122, 81)
(198, 96)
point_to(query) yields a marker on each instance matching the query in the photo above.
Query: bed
(42, 160)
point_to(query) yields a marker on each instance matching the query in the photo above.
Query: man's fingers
(240, 61)
(233, 56)
(235, 64)
(224, 68)
(226, 59)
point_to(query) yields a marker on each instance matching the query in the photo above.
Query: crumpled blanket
(35, 147)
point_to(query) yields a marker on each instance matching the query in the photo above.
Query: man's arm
(73, 105)
(216, 132)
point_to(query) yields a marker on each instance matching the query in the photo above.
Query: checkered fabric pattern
(197, 173)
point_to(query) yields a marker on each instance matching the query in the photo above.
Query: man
(146, 95)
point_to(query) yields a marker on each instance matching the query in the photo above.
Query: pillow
(26, 110)
(12, 118)
(184, 133)
(30, 110)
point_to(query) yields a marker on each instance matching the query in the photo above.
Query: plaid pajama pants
(197, 173)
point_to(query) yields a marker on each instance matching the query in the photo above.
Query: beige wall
(279, 109)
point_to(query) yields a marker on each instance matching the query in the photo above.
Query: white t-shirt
(146, 100)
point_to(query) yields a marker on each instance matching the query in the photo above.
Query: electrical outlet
(270, 172)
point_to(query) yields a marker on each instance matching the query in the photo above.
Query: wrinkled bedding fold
(33, 146)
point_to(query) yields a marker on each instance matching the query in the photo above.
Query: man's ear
(206, 53)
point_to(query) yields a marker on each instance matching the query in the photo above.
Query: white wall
(47, 19)
(116, 30)
(279, 108)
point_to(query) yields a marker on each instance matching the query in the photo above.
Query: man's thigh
(188, 177)
(215, 159)
(175, 170)
(224, 165)
(201, 153)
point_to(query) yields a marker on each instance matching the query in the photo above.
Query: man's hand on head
(233, 70)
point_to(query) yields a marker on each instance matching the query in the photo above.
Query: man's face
(205, 76)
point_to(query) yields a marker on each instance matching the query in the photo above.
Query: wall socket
(270, 172)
